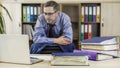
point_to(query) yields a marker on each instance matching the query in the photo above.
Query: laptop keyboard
(35, 60)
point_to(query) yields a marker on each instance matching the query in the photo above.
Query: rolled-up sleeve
(67, 28)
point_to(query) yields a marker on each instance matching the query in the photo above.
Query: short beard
(50, 22)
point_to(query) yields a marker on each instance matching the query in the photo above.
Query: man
(53, 28)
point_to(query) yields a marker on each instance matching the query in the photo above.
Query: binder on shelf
(24, 13)
(35, 13)
(86, 31)
(28, 13)
(86, 14)
(89, 31)
(31, 14)
(90, 14)
(94, 13)
(82, 32)
(98, 14)
(82, 13)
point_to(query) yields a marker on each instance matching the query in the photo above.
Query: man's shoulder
(41, 16)
(64, 15)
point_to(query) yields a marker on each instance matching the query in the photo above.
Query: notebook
(15, 49)
(70, 59)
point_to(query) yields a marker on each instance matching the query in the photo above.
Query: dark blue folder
(97, 39)
(70, 54)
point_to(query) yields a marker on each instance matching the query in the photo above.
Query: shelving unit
(74, 11)
(90, 20)
(30, 12)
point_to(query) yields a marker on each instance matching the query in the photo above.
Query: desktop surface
(111, 63)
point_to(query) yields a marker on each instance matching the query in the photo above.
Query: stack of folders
(96, 56)
(71, 59)
(104, 45)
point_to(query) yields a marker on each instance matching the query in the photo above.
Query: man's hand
(62, 40)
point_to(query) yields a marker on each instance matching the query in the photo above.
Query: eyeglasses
(49, 14)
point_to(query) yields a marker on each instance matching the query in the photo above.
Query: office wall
(0, 3)
(61, 1)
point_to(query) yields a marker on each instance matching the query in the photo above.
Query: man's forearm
(61, 40)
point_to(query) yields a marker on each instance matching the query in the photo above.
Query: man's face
(50, 14)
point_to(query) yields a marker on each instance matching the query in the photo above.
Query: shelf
(29, 23)
(90, 23)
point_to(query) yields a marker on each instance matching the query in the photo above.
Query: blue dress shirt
(62, 27)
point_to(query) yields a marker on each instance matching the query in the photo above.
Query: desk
(112, 63)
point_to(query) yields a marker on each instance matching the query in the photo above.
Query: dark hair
(52, 4)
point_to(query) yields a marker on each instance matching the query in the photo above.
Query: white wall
(62, 1)
(13, 27)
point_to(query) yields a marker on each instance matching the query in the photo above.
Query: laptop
(15, 49)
